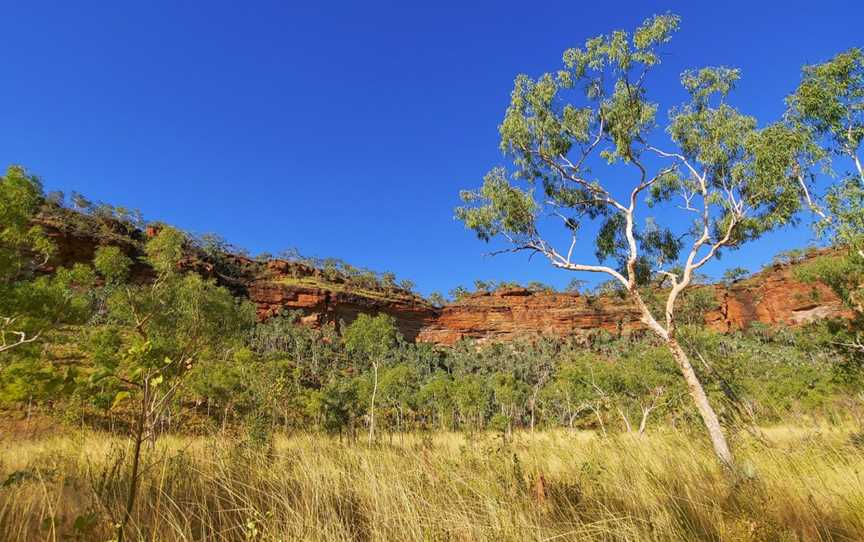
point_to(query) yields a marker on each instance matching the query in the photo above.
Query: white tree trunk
(694, 387)
(709, 417)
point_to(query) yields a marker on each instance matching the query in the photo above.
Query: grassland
(793, 484)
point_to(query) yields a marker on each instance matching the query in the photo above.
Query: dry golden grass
(804, 484)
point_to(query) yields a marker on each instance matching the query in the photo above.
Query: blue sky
(344, 129)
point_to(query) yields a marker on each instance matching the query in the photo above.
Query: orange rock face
(321, 306)
(506, 314)
(773, 296)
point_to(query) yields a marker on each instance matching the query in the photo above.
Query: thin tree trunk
(225, 416)
(136, 460)
(599, 419)
(626, 421)
(644, 423)
(709, 417)
(401, 430)
(694, 387)
(372, 402)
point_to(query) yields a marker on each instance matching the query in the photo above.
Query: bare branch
(677, 156)
(601, 192)
(22, 339)
(559, 261)
(7, 322)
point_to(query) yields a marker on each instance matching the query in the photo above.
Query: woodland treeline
(176, 352)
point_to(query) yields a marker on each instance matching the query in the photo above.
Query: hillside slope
(772, 296)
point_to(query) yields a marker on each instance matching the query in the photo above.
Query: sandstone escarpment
(506, 314)
(773, 296)
(285, 286)
(274, 286)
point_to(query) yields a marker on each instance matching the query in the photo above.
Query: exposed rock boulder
(774, 296)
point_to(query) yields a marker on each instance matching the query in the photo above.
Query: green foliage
(112, 264)
(502, 209)
(830, 100)
(773, 372)
(340, 272)
(788, 257)
(158, 332)
(846, 205)
(23, 245)
(336, 405)
(536, 286)
(31, 304)
(181, 340)
(844, 274)
(436, 398)
(734, 274)
(485, 286)
(458, 293)
(575, 286)
(738, 181)
(437, 299)
(755, 166)
(694, 304)
(371, 337)
(472, 397)
(829, 104)
(165, 250)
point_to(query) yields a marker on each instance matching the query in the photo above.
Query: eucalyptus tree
(398, 386)
(828, 105)
(372, 338)
(586, 148)
(436, 395)
(159, 331)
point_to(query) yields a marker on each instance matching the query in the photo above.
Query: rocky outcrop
(773, 296)
(275, 286)
(286, 286)
(506, 314)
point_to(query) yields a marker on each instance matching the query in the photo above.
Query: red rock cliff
(773, 296)
(288, 286)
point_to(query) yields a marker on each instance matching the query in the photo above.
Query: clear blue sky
(343, 129)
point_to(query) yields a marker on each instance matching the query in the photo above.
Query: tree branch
(22, 335)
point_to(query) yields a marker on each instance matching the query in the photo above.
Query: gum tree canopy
(829, 105)
(586, 150)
